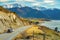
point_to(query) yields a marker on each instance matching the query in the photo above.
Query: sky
(31, 3)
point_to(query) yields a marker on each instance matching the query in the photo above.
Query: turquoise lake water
(52, 24)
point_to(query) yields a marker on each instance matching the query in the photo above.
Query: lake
(52, 24)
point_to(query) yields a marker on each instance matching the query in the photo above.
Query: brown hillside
(10, 19)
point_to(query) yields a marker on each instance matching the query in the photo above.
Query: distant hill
(29, 12)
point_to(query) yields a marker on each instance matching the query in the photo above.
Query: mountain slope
(9, 19)
(53, 14)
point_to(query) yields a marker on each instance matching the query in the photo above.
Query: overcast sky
(30, 3)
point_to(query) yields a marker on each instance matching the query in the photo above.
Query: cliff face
(9, 19)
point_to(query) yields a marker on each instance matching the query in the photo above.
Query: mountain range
(36, 12)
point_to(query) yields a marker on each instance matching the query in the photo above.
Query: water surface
(52, 24)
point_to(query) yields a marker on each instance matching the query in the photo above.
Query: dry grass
(38, 33)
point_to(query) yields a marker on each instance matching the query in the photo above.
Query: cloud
(48, 1)
(26, 0)
(30, 0)
(36, 4)
(7, 1)
(52, 4)
(3, 0)
(19, 0)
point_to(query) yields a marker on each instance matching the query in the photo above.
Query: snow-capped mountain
(13, 5)
(20, 6)
(39, 8)
(34, 12)
(28, 12)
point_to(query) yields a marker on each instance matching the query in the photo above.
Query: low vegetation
(38, 33)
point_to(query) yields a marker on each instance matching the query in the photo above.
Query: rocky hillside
(10, 19)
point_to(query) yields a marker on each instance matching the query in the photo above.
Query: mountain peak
(13, 5)
(39, 8)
